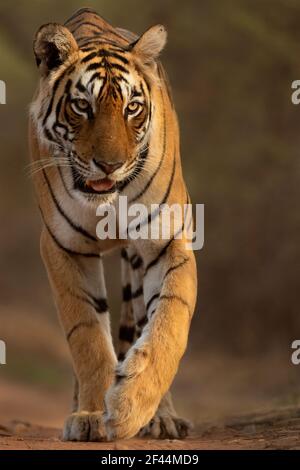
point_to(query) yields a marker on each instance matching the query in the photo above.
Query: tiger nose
(107, 168)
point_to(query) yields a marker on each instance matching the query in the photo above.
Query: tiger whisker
(32, 171)
(41, 161)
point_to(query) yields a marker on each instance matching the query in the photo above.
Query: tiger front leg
(151, 364)
(78, 287)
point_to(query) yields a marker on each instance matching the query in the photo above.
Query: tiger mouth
(89, 186)
(100, 185)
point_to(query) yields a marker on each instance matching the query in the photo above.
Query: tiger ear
(52, 46)
(150, 44)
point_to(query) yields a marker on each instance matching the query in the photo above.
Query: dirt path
(31, 417)
(273, 430)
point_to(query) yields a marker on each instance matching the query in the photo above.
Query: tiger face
(95, 106)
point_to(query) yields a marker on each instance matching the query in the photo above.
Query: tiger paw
(133, 399)
(126, 413)
(166, 427)
(84, 426)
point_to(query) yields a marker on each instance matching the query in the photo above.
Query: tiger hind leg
(127, 328)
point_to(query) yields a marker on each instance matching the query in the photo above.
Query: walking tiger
(103, 124)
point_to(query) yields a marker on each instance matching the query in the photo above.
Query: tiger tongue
(104, 184)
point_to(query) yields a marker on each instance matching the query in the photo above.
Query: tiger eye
(81, 104)
(133, 107)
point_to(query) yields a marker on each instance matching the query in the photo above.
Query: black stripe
(94, 77)
(119, 377)
(149, 182)
(67, 250)
(114, 65)
(48, 135)
(155, 296)
(137, 293)
(136, 262)
(87, 324)
(108, 54)
(142, 322)
(58, 107)
(124, 254)
(68, 86)
(73, 23)
(186, 229)
(137, 170)
(163, 251)
(100, 304)
(55, 87)
(56, 126)
(175, 297)
(88, 49)
(120, 78)
(79, 160)
(121, 356)
(139, 126)
(93, 66)
(118, 48)
(108, 41)
(96, 32)
(101, 40)
(80, 87)
(80, 12)
(63, 182)
(172, 268)
(152, 313)
(189, 225)
(89, 57)
(127, 333)
(156, 212)
(72, 224)
(135, 93)
(70, 119)
(118, 35)
(117, 86)
(127, 293)
(86, 23)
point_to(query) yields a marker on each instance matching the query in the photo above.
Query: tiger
(102, 125)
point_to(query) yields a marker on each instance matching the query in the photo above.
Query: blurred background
(231, 64)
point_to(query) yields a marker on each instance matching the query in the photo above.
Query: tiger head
(94, 106)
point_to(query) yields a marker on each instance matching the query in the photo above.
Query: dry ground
(274, 429)
(235, 402)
